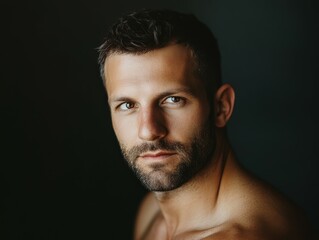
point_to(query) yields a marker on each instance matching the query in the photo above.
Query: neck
(199, 196)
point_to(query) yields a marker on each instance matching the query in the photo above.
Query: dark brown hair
(147, 30)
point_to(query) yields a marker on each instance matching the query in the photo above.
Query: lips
(157, 155)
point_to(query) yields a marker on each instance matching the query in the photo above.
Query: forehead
(157, 69)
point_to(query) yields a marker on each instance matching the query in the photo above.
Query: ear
(224, 104)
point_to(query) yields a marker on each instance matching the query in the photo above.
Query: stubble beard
(192, 158)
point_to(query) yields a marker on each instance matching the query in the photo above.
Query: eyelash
(125, 104)
(180, 100)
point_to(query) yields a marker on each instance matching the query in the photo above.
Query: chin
(159, 181)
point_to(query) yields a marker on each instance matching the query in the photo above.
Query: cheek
(124, 130)
(183, 127)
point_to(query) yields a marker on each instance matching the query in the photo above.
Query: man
(169, 111)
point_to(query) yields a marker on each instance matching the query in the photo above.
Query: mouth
(159, 155)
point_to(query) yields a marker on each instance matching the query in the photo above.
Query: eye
(126, 106)
(174, 100)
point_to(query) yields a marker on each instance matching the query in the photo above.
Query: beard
(192, 157)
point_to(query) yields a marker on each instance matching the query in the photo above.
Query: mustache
(133, 153)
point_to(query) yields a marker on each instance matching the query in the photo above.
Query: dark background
(61, 172)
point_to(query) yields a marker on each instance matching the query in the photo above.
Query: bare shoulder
(147, 211)
(236, 232)
(260, 211)
(259, 230)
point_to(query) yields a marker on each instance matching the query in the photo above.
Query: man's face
(160, 115)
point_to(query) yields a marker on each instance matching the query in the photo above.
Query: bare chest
(157, 230)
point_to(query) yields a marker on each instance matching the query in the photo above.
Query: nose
(151, 124)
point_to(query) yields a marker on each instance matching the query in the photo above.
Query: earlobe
(224, 104)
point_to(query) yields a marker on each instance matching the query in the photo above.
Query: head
(161, 70)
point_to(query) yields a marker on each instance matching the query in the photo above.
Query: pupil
(175, 99)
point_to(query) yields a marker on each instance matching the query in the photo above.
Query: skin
(155, 96)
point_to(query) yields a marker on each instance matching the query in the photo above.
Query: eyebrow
(175, 91)
(120, 99)
(159, 96)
